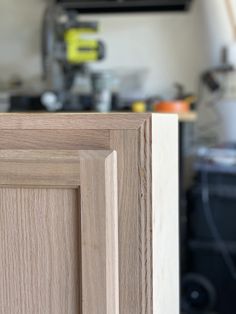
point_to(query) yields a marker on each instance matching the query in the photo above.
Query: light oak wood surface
(147, 185)
(70, 121)
(99, 226)
(58, 247)
(39, 262)
(165, 217)
(46, 139)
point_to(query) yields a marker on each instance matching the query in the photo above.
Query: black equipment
(108, 6)
(209, 281)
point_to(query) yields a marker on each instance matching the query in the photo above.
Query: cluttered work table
(190, 116)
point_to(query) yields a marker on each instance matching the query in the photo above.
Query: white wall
(20, 23)
(167, 45)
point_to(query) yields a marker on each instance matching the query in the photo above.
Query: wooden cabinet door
(59, 232)
(59, 249)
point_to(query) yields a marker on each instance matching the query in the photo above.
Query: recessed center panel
(39, 251)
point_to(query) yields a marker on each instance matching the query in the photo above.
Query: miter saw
(68, 46)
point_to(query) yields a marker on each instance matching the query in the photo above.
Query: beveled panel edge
(57, 168)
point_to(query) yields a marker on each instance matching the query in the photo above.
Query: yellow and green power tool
(81, 47)
(68, 45)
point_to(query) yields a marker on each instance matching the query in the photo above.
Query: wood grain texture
(145, 218)
(40, 168)
(43, 174)
(126, 143)
(39, 263)
(99, 223)
(70, 121)
(95, 208)
(54, 139)
(131, 136)
(165, 214)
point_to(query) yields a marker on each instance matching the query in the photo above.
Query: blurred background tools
(68, 46)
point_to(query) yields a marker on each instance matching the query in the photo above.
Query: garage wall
(20, 23)
(167, 45)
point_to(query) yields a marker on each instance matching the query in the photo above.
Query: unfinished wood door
(59, 232)
(148, 234)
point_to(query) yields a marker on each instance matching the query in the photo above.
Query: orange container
(175, 106)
